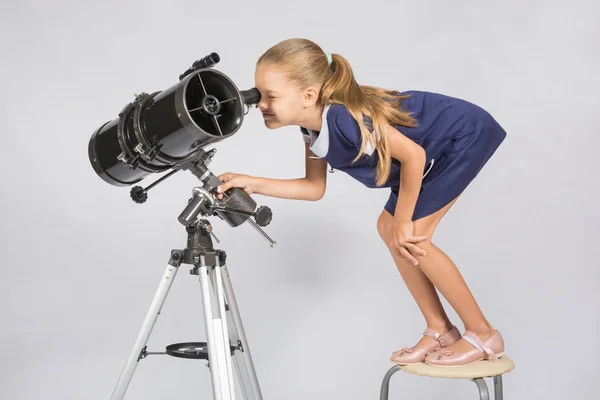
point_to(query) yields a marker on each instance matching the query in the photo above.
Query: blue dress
(458, 137)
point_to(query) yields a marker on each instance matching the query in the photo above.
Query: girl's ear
(310, 96)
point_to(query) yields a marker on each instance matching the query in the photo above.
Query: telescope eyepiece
(251, 96)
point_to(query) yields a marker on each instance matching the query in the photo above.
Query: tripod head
(235, 208)
(169, 130)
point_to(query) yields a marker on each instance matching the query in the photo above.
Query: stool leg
(385, 385)
(498, 395)
(483, 389)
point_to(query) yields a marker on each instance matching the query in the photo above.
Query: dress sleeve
(340, 118)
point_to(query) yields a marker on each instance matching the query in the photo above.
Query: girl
(425, 147)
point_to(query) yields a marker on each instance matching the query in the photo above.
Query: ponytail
(380, 107)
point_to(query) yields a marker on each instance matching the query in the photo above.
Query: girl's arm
(413, 158)
(311, 187)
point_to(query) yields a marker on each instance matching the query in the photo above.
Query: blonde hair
(306, 64)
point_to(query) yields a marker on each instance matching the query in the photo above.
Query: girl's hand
(404, 241)
(231, 180)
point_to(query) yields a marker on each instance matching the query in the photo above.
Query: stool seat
(476, 372)
(480, 369)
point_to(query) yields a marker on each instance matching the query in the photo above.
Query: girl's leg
(419, 286)
(444, 275)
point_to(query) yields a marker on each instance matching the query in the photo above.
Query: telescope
(166, 132)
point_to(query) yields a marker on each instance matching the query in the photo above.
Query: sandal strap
(433, 334)
(441, 339)
(479, 344)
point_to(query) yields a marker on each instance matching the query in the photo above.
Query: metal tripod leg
(151, 316)
(223, 331)
(243, 359)
(217, 333)
(223, 325)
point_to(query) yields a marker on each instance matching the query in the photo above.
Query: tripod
(226, 338)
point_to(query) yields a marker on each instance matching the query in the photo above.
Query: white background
(326, 307)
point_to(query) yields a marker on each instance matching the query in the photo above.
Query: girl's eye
(271, 97)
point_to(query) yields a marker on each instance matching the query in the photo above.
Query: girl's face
(282, 103)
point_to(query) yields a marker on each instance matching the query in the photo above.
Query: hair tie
(328, 58)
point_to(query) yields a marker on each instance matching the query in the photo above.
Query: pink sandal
(492, 349)
(413, 355)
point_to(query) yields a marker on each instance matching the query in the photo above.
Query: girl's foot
(470, 349)
(431, 340)
(463, 346)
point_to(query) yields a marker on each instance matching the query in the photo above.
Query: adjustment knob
(138, 194)
(263, 216)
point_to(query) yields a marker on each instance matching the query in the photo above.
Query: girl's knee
(384, 222)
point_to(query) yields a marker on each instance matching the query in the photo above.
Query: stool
(475, 372)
